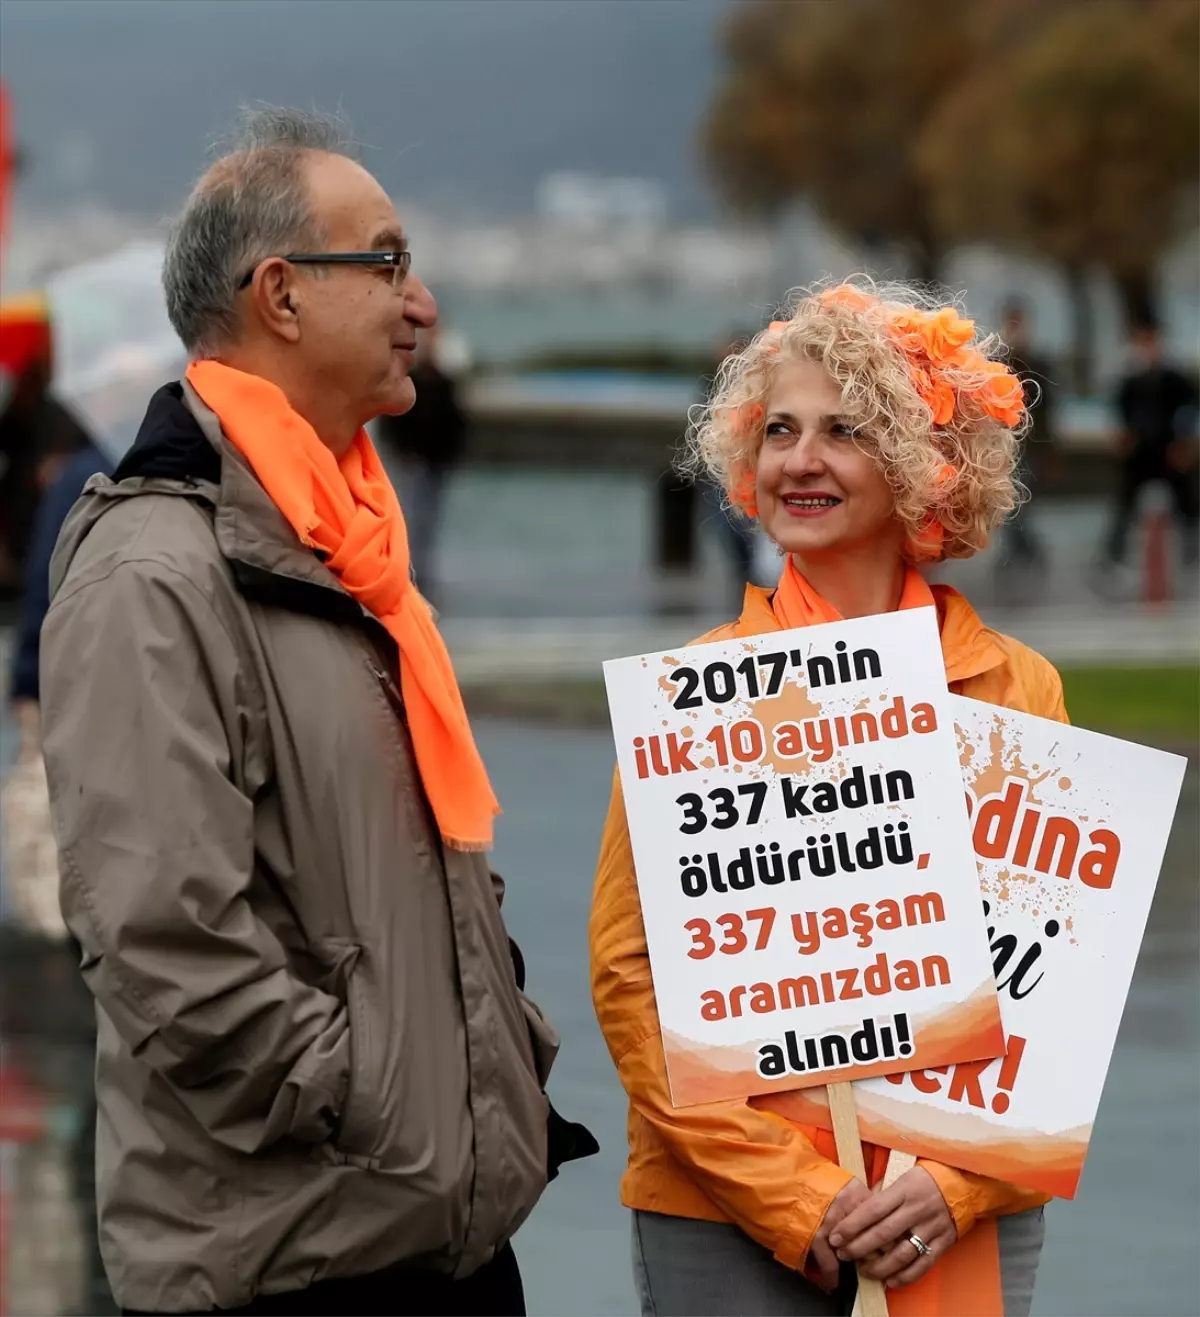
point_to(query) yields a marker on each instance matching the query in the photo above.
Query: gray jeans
(686, 1268)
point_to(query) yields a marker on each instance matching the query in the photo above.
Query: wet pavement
(1127, 1245)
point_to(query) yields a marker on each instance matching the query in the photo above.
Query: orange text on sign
(965, 1082)
(1007, 827)
(744, 741)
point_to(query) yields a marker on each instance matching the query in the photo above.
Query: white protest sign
(803, 857)
(1069, 829)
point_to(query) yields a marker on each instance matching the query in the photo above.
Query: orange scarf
(796, 604)
(346, 508)
(965, 1282)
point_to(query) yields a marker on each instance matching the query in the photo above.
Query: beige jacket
(314, 1059)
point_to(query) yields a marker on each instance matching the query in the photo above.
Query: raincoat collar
(968, 647)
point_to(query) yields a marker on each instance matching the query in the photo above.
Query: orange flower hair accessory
(1002, 396)
(935, 393)
(940, 336)
(935, 342)
(926, 544)
(853, 299)
(748, 419)
(744, 495)
(776, 327)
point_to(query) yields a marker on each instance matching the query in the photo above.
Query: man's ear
(276, 296)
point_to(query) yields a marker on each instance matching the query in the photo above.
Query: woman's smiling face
(817, 490)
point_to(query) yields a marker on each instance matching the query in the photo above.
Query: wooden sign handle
(896, 1167)
(872, 1297)
(898, 1164)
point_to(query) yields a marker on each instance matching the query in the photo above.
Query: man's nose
(419, 305)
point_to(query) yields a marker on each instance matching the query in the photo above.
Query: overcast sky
(462, 103)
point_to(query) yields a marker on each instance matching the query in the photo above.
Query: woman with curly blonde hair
(868, 433)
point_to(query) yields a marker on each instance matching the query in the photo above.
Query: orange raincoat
(733, 1161)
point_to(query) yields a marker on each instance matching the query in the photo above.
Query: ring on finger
(923, 1249)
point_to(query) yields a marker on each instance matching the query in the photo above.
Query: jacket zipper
(394, 697)
(422, 812)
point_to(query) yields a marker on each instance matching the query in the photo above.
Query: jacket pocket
(543, 1039)
(357, 1136)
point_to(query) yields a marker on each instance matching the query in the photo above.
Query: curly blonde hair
(926, 405)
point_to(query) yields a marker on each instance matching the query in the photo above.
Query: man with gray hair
(320, 1086)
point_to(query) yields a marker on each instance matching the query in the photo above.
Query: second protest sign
(803, 857)
(1069, 829)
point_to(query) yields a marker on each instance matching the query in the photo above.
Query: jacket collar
(969, 649)
(181, 448)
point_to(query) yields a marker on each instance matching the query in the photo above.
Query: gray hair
(251, 204)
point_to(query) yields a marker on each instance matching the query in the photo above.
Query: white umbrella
(113, 343)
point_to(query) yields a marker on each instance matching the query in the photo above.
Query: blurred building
(597, 262)
(590, 204)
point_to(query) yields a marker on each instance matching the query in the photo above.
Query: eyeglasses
(393, 265)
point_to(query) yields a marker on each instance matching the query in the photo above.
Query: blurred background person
(49, 1250)
(48, 1017)
(1156, 408)
(30, 862)
(423, 447)
(1020, 543)
(734, 533)
(687, 505)
(37, 433)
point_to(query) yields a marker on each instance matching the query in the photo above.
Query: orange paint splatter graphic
(792, 705)
(666, 683)
(990, 766)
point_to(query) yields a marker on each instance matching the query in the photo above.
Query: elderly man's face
(358, 333)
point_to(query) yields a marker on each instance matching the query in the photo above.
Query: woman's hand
(820, 1250)
(875, 1234)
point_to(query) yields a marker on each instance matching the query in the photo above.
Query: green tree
(825, 99)
(1067, 129)
(1079, 144)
